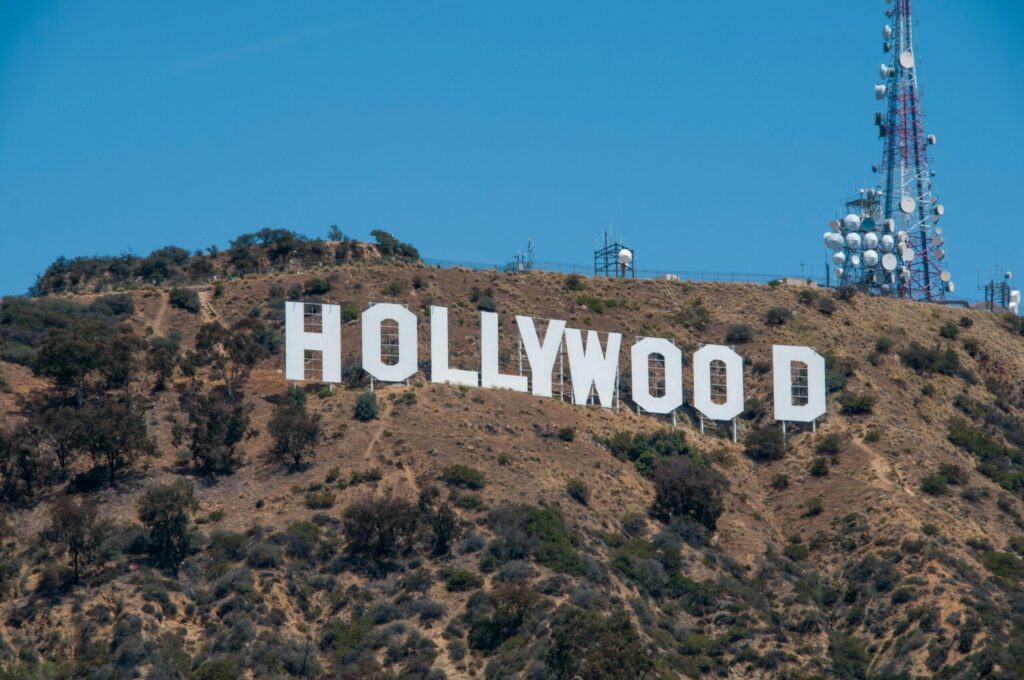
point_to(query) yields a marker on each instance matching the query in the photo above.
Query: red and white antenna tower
(907, 197)
(890, 241)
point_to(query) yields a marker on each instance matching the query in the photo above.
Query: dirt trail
(206, 311)
(161, 314)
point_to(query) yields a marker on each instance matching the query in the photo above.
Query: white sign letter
(373, 363)
(640, 359)
(783, 358)
(439, 371)
(490, 375)
(733, 368)
(541, 357)
(326, 340)
(589, 367)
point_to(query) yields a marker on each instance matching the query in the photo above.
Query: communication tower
(614, 260)
(890, 241)
(521, 262)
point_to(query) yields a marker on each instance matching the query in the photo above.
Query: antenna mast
(904, 256)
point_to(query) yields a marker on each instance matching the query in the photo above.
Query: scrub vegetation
(171, 508)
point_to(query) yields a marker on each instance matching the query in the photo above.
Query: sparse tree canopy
(75, 526)
(686, 488)
(116, 435)
(165, 510)
(585, 644)
(295, 430)
(69, 355)
(232, 353)
(378, 528)
(216, 426)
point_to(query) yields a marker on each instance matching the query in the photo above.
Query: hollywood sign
(592, 369)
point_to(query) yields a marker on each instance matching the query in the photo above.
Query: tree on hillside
(295, 430)
(69, 355)
(686, 488)
(585, 644)
(379, 528)
(116, 436)
(162, 359)
(19, 464)
(216, 425)
(75, 526)
(232, 353)
(125, 361)
(64, 429)
(165, 510)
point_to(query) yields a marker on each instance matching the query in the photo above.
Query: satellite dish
(940, 254)
(852, 222)
(938, 230)
(905, 274)
(870, 258)
(886, 288)
(950, 287)
(945, 277)
(908, 204)
(884, 71)
(880, 91)
(890, 225)
(853, 241)
(937, 241)
(889, 262)
(886, 32)
(907, 255)
(940, 210)
(887, 243)
(839, 259)
(879, 278)
(835, 225)
(901, 236)
(932, 140)
(870, 240)
(868, 224)
(839, 272)
(833, 240)
(907, 60)
(855, 260)
(625, 257)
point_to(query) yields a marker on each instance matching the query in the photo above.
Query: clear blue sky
(716, 136)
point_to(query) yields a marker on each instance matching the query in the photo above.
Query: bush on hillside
(764, 444)
(777, 316)
(688, 489)
(463, 477)
(366, 407)
(184, 298)
(739, 334)
(379, 527)
(925, 361)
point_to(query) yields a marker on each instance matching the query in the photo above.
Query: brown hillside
(892, 576)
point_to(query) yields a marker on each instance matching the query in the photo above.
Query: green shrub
(366, 407)
(856, 404)
(575, 282)
(645, 449)
(1003, 564)
(796, 551)
(687, 489)
(184, 298)
(819, 467)
(883, 345)
(365, 476)
(827, 306)
(830, 445)
(739, 334)
(934, 485)
(778, 316)
(813, 507)
(463, 476)
(925, 361)
(566, 434)
(949, 330)
(780, 482)
(578, 491)
(807, 296)
(764, 444)
(316, 287)
(460, 580)
(320, 500)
